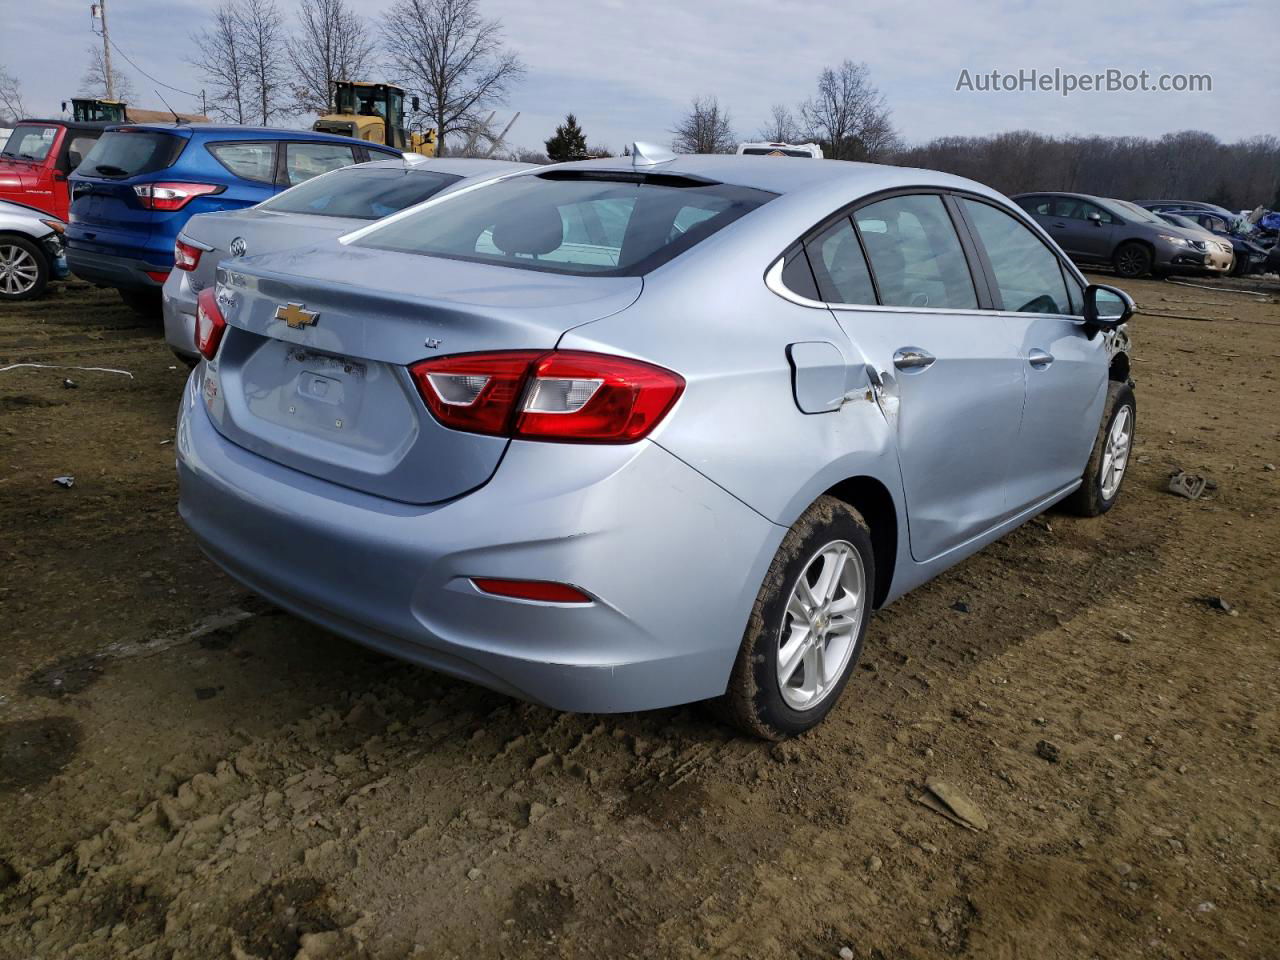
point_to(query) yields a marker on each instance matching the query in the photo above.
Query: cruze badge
(295, 316)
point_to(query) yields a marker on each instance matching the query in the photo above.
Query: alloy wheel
(19, 271)
(1115, 456)
(821, 625)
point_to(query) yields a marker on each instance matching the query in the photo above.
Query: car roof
(776, 175)
(244, 132)
(93, 125)
(457, 166)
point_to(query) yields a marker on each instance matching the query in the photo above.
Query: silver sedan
(625, 433)
(31, 251)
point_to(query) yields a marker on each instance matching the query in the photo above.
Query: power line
(147, 75)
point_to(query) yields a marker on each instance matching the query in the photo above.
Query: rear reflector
(172, 196)
(210, 324)
(542, 591)
(159, 276)
(185, 256)
(569, 396)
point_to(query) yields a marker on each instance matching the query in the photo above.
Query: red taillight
(210, 324)
(543, 591)
(564, 395)
(159, 276)
(172, 196)
(185, 256)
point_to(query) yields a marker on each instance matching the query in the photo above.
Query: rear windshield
(561, 222)
(30, 141)
(361, 194)
(127, 153)
(774, 152)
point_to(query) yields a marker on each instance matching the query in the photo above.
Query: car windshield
(584, 223)
(361, 194)
(127, 153)
(30, 141)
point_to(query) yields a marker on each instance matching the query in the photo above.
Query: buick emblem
(238, 247)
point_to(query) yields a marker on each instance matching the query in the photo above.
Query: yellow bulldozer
(375, 112)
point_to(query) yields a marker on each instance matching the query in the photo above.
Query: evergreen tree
(568, 143)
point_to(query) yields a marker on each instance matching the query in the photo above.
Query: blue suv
(140, 184)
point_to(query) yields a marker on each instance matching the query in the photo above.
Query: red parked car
(38, 157)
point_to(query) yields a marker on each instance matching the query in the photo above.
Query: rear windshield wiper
(109, 170)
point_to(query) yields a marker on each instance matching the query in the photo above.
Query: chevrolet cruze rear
(622, 434)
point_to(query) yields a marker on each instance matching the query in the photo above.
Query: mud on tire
(1089, 500)
(754, 700)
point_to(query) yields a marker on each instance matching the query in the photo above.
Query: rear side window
(1027, 273)
(128, 153)
(361, 194)
(839, 266)
(30, 141)
(250, 161)
(599, 224)
(915, 253)
(302, 161)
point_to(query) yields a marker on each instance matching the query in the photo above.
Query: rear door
(1065, 368)
(951, 381)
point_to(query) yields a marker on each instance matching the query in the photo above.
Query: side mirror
(1095, 218)
(1106, 307)
(416, 107)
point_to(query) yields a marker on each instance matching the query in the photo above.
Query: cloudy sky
(628, 69)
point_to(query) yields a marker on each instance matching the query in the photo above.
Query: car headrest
(535, 231)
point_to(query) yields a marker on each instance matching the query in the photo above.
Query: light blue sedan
(625, 433)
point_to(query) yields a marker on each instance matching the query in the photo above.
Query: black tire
(1132, 260)
(1088, 500)
(754, 700)
(19, 252)
(144, 302)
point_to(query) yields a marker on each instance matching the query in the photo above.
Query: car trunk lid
(331, 396)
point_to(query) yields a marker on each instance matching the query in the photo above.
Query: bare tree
(94, 82)
(333, 43)
(222, 60)
(849, 114)
(706, 128)
(12, 108)
(264, 41)
(782, 126)
(446, 51)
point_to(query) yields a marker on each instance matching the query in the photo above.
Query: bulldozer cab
(372, 112)
(97, 111)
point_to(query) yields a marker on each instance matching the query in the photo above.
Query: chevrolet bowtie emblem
(295, 316)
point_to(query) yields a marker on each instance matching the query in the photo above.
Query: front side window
(618, 224)
(302, 161)
(839, 266)
(361, 194)
(915, 253)
(252, 161)
(1027, 273)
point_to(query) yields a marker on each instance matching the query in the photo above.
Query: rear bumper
(674, 562)
(111, 271)
(179, 307)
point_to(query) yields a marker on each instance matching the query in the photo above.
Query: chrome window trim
(773, 280)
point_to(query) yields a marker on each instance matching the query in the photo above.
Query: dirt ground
(186, 772)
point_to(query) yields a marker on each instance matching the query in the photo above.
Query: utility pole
(99, 10)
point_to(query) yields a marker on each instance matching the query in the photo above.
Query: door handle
(912, 358)
(1039, 358)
